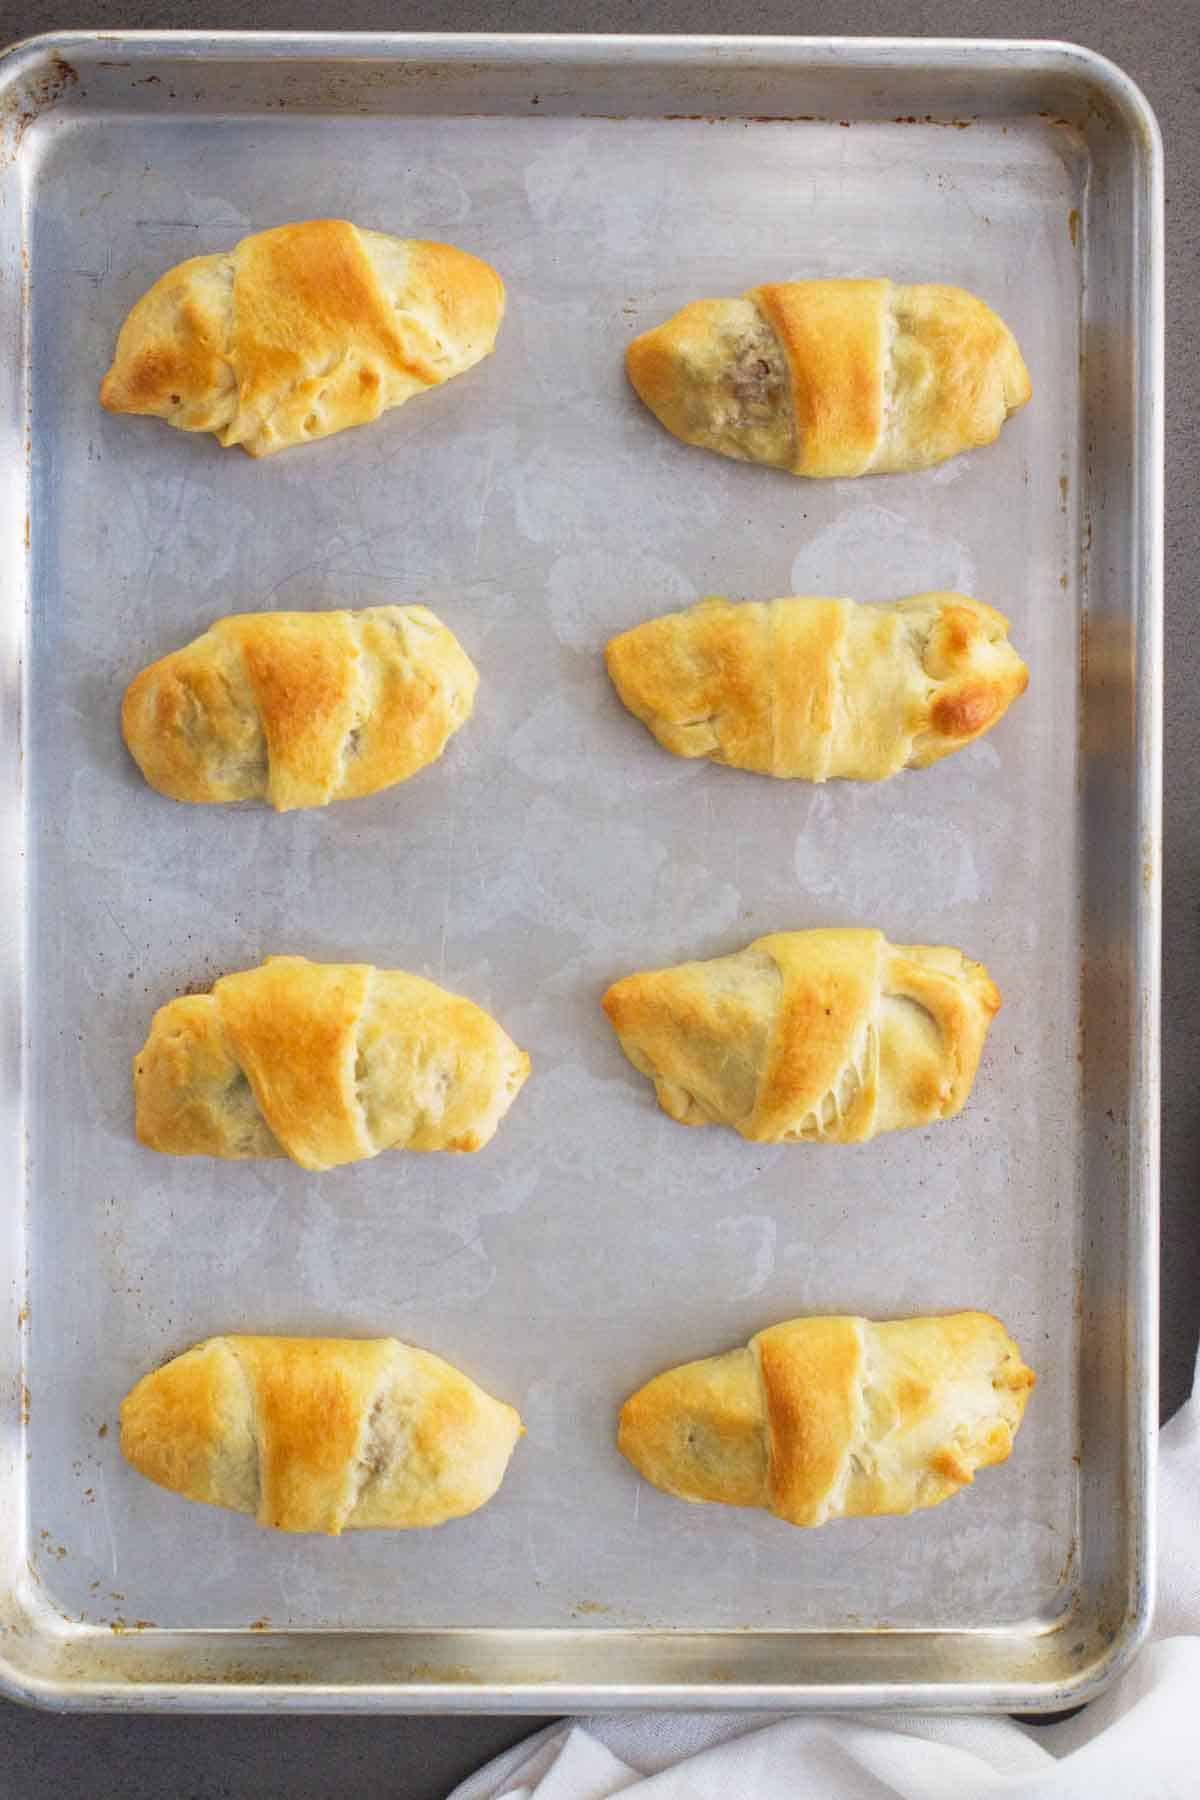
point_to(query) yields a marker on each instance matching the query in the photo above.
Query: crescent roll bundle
(813, 689)
(319, 1434)
(829, 378)
(820, 1036)
(820, 1419)
(299, 708)
(302, 331)
(324, 1062)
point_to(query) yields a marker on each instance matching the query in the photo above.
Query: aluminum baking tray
(538, 509)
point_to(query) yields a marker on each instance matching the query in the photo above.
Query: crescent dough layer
(833, 378)
(816, 1036)
(829, 1418)
(327, 1063)
(319, 1434)
(299, 708)
(813, 689)
(302, 331)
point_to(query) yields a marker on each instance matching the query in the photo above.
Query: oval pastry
(833, 1418)
(302, 331)
(809, 1036)
(833, 378)
(299, 708)
(813, 689)
(320, 1434)
(327, 1063)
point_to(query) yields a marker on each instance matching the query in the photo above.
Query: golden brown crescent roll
(820, 1419)
(324, 1062)
(320, 1434)
(826, 1036)
(831, 378)
(814, 688)
(301, 331)
(299, 708)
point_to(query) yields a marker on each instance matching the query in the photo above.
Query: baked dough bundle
(828, 378)
(826, 1036)
(815, 688)
(820, 1419)
(301, 331)
(324, 1062)
(299, 708)
(320, 1434)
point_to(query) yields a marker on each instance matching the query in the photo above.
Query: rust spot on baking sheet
(27, 531)
(928, 119)
(747, 118)
(23, 1315)
(1064, 488)
(25, 1403)
(28, 104)
(591, 1606)
(260, 1625)
(1067, 1567)
(103, 1432)
(1073, 224)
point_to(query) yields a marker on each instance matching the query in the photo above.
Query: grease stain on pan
(448, 1674)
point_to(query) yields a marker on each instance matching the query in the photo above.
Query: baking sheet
(538, 509)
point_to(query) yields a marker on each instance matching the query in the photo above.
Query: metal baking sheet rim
(47, 1662)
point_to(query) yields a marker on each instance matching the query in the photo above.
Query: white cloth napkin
(1140, 1741)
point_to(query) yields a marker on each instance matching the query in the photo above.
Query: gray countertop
(1158, 43)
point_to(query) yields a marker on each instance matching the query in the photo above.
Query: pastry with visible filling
(824, 1036)
(320, 1434)
(299, 708)
(833, 378)
(327, 1063)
